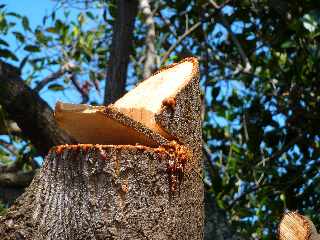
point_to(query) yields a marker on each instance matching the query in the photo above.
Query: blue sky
(35, 11)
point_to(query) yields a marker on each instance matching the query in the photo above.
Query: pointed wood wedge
(159, 109)
(103, 125)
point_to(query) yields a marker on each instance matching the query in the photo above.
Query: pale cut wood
(153, 97)
(103, 125)
(145, 101)
(294, 226)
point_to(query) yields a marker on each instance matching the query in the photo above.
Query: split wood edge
(135, 117)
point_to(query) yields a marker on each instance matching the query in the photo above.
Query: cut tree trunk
(141, 185)
(294, 226)
(109, 192)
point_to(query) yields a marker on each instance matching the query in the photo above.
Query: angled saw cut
(159, 109)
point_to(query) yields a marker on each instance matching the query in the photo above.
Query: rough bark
(110, 192)
(120, 49)
(120, 191)
(33, 115)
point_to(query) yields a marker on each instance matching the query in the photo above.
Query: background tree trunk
(108, 192)
(120, 50)
(150, 51)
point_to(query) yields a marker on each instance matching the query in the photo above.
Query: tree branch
(247, 64)
(179, 40)
(64, 69)
(16, 179)
(84, 91)
(282, 150)
(29, 111)
(120, 49)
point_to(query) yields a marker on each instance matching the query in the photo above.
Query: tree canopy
(259, 74)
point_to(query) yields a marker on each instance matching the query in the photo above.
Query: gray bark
(107, 192)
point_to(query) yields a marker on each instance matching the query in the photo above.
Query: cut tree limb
(294, 226)
(164, 106)
(103, 125)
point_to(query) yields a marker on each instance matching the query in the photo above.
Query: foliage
(2, 209)
(67, 51)
(259, 65)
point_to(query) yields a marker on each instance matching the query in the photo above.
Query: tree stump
(125, 190)
(294, 226)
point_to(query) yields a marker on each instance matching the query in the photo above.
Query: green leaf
(25, 24)
(92, 76)
(311, 21)
(56, 87)
(75, 31)
(8, 54)
(52, 30)
(81, 19)
(41, 37)
(288, 44)
(90, 15)
(32, 48)
(19, 36)
(13, 14)
(3, 42)
(23, 62)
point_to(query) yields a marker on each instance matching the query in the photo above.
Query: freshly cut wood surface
(146, 100)
(103, 125)
(91, 124)
(294, 226)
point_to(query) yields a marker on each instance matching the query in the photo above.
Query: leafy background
(259, 75)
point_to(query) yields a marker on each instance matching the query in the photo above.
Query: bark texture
(110, 192)
(120, 49)
(132, 191)
(33, 115)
